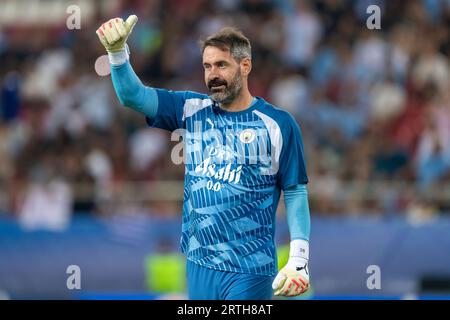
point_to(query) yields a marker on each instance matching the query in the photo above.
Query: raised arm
(129, 88)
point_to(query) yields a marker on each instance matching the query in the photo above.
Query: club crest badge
(247, 136)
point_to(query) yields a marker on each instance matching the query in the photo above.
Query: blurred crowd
(373, 105)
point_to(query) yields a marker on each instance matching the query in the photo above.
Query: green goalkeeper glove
(293, 278)
(114, 33)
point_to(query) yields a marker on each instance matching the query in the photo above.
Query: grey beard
(229, 95)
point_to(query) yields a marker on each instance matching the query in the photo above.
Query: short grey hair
(230, 39)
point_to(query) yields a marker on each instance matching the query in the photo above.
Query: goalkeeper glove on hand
(293, 278)
(114, 33)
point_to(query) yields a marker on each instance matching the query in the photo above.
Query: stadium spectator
(373, 104)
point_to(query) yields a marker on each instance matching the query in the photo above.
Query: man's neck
(242, 102)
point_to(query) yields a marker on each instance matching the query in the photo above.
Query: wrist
(299, 248)
(119, 57)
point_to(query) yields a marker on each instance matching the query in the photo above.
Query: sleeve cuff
(119, 57)
(299, 248)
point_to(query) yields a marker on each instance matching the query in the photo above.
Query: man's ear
(246, 66)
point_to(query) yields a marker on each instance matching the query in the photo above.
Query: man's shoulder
(182, 94)
(196, 95)
(195, 102)
(280, 115)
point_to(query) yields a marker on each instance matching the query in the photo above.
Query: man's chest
(219, 141)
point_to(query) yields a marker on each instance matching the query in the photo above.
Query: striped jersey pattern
(236, 164)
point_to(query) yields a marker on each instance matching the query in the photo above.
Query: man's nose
(214, 72)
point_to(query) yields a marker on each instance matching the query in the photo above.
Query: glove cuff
(119, 57)
(299, 248)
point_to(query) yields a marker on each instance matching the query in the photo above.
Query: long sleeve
(297, 212)
(130, 90)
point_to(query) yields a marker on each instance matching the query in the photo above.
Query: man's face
(222, 75)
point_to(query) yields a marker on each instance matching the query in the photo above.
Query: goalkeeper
(240, 153)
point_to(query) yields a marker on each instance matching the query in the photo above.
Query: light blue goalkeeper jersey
(236, 163)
